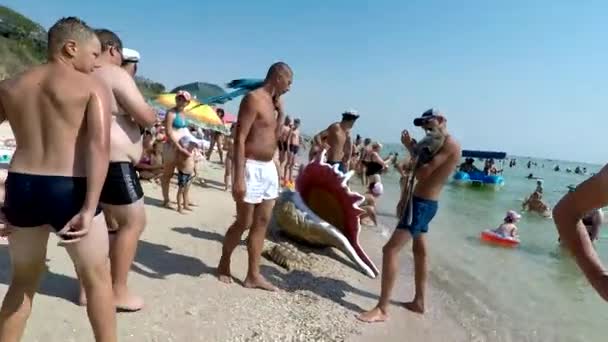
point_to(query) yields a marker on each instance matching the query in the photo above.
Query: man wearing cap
(122, 195)
(337, 140)
(416, 217)
(130, 58)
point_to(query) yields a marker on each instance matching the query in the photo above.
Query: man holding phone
(414, 223)
(256, 180)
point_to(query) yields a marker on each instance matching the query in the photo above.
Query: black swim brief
(422, 212)
(341, 165)
(36, 200)
(294, 148)
(122, 185)
(183, 179)
(282, 145)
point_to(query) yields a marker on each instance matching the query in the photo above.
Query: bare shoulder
(335, 127)
(452, 146)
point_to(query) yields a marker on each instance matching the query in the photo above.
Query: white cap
(130, 55)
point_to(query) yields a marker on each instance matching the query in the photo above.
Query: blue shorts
(423, 211)
(183, 179)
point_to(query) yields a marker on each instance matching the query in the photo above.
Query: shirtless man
(431, 179)
(122, 195)
(293, 148)
(339, 141)
(284, 145)
(568, 214)
(60, 116)
(256, 181)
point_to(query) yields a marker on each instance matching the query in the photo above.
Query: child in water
(186, 168)
(508, 229)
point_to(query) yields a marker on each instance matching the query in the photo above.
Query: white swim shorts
(261, 181)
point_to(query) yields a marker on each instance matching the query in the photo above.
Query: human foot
(259, 282)
(416, 306)
(223, 274)
(128, 302)
(188, 208)
(374, 315)
(167, 205)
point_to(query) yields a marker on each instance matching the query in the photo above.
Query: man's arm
(278, 105)
(246, 117)
(98, 118)
(318, 139)
(348, 149)
(131, 100)
(567, 215)
(447, 152)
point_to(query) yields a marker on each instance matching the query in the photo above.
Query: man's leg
(131, 219)
(90, 257)
(211, 146)
(220, 150)
(244, 217)
(27, 248)
(255, 244)
(419, 249)
(390, 269)
(282, 156)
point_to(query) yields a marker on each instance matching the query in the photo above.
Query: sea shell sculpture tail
(323, 211)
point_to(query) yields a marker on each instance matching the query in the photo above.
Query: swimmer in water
(508, 229)
(60, 116)
(534, 203)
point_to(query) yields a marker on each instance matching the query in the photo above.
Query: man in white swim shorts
(256, 180)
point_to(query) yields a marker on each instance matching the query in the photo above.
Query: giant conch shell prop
(323, 211)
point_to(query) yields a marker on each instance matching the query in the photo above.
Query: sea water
(531, 293)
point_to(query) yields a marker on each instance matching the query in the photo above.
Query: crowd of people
(86, 130)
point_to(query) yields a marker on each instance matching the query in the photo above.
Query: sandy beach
(174, 271)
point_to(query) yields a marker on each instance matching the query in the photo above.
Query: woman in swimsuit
(375, 166)
(364, 158)
(176, 126)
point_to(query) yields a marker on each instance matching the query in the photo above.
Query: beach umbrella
(201, 90)
(198, 114)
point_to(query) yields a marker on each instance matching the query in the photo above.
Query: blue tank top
(179, 121)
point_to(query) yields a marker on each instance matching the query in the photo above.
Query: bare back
(439, 169)
(125, 133)
(336, 139)
(46, 108)
(261, 142)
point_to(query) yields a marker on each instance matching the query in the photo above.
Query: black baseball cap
(426, 116)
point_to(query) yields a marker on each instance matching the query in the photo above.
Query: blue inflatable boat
(478, 178)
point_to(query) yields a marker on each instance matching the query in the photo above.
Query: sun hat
(513, 215)
(186, 95)
(130, 55)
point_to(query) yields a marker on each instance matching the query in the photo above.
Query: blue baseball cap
(426, 116)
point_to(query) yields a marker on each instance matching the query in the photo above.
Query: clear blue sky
(526, 77)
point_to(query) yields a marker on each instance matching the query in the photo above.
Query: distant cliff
(23, 44)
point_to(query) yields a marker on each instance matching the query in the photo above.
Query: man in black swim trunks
(122, 195)
(283, 145)
(60, 116)
(415, 219)
(338, 141)
(293, 149)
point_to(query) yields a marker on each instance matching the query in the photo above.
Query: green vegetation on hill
(23, 44)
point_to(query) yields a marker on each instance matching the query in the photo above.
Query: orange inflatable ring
(490, 237)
